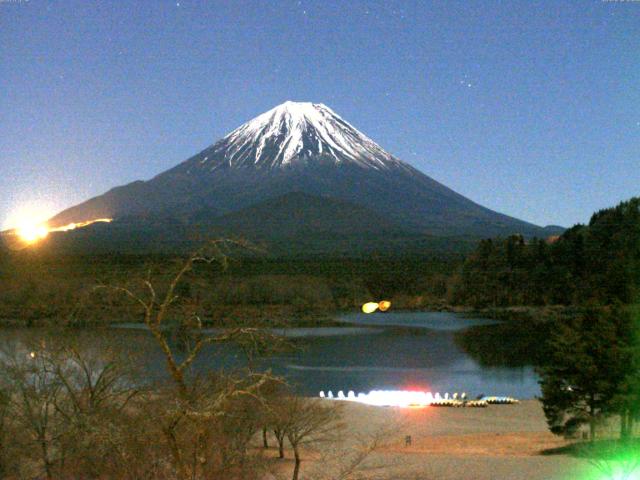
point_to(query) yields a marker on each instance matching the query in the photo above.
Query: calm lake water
(380, 355)
(377, 351)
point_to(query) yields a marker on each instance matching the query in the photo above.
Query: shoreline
(446, 442)
(288, 316)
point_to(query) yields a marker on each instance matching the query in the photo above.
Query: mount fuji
(297, 171)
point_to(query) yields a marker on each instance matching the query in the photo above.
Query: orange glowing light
(73, 226)
(384, 305)
(30, 231)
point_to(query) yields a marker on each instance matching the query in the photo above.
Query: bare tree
(59, 404)
(96, 388)
(308, 421)
(348, 460)
(193, 416)
(279, 423)
(32, 392)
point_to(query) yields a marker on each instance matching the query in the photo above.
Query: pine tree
(627, 399)
(588, 366)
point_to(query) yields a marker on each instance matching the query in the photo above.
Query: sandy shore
(498, 442)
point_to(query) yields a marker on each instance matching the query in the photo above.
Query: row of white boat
(412, 398)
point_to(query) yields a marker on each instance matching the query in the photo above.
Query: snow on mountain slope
(293, 133)
(292, 148)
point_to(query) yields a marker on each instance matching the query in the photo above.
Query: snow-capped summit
(295, 133)
(293, 169)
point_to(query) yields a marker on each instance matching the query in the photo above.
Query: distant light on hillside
(31, 232)
(73, 226)
(28, 222)
(30, 229)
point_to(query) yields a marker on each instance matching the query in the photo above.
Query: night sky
(529, 108)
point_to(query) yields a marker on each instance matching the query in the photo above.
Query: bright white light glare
(27, 215)
(32, 232)
(415, 399)
(397, 398)
(388, 398)
(28, 223)
(369, 307)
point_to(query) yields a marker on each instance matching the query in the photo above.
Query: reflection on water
(283, 332)
(512, 344)
(430, 362)
(378, 352)
(429, 320)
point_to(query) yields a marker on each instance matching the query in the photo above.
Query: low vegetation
(71, 410)
(66, 412)
(595, 264)
(39, 290)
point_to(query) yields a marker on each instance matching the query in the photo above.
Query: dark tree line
(598, 263)
(44, 290)
(591, 369)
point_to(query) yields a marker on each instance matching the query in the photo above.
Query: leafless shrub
(353, 457)
(81, 413)
(307, 422)
(60, 404)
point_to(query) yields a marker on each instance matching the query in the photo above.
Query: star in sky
(407, 46)
(465, 81)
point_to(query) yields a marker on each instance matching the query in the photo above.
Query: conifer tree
(590, 361)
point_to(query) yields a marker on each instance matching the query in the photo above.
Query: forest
(587, 280)
(597, 264)
(593, 264)
(39, 289)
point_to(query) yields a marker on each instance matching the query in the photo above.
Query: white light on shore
(389, 398)
(416, 399)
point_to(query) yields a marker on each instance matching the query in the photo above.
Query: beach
(497, 442)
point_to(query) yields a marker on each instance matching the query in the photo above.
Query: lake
(412, 350)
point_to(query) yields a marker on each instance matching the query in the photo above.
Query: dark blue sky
(529, 108)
